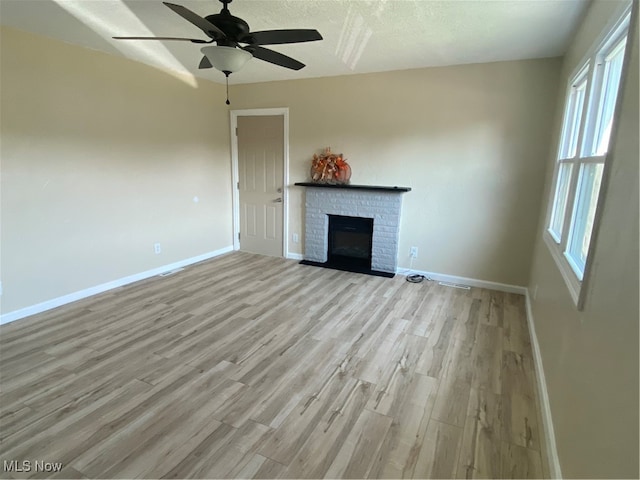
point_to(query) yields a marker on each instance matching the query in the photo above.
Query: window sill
(570, 279)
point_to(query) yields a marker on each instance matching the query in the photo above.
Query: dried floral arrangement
(330, 168)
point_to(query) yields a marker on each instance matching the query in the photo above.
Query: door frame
(235, 176)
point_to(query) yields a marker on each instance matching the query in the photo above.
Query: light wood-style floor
(249, 366)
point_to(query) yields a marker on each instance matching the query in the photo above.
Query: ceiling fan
(228, 32)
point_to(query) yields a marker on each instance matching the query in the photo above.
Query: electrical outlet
(157, 248)
(296, 239)
(413, 252)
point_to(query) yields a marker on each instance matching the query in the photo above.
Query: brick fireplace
(380, 205)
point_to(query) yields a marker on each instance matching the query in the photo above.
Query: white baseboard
(543, 396)
(471, 282)
(295, 256)
(88, 292)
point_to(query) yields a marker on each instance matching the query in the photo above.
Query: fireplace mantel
(377, 188)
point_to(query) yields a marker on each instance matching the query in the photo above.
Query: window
(582, 152)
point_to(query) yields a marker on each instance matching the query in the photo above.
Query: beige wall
(591, 357)
(101, 158)
(471, 141)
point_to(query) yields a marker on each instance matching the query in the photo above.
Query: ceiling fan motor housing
(234, 28)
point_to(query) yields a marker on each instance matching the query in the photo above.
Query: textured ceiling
(359, 36)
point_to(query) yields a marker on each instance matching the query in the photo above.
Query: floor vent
(170, 272)
(455, 285)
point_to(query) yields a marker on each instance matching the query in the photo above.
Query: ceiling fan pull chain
(227, 78)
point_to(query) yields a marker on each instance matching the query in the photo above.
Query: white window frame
(591, 69)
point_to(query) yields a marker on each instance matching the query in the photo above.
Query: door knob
(278, 200)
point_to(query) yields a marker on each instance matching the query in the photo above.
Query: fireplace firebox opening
(349, 242)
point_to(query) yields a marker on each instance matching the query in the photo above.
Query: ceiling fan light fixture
(226, 59)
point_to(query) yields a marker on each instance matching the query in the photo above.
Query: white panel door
(261, 174)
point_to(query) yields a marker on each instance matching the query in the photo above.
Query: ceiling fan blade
(205, 63)
(203, 24)
(192, 40)
(274, 57)
(273, 37)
